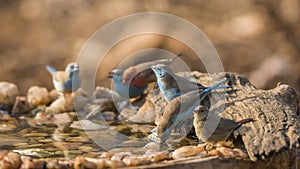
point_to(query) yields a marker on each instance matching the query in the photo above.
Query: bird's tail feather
(213, 87)
(245, 121)
(50, 69)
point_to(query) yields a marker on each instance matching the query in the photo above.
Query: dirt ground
(256, 38)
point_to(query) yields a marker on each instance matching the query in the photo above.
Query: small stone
(128, 112)
(21, 105)
(86, 149)
(135, 160)
(156, 156)
(38, 96)
(100, 163)
(82, 163)
(146, 114)
(66, 145)
(114, 164)
(14, 159)
(106, 155)
(109, 115)
(36, 135)
(62, 104)
(8, 94)
(39, 163)
(7, 126)
(78, 139)
(5, 164)
(43, 118)
(187, 151)
(87, 125)
(152, 146)
(120, 156)
(27, 164)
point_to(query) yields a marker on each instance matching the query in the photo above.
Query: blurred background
(257, 38)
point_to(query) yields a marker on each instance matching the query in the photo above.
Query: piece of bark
(274, 134)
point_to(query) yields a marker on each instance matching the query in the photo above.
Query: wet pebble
(36, 135)
(109, 115)
(78, 139)
(86, 149)
(8, 94)
(120, 156)
(113, 164)
(156, 156)
(146, 114)
(62, 104)
(10, 160)
(38, 96)
(21, 105)
(27, 164)
(87, 125)
(7, 126)
(188, 151)
(128, 112)
(100, 163)
(135, 160)
(82, 163)
(152, 146)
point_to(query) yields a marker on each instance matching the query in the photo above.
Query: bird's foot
(228, 144)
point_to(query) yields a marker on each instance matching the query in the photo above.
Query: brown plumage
(142, 74)
(223, 130)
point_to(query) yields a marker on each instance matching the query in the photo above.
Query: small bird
(125, 90)
(142, 74)
(66, 81)
(180, 109)
(223, 130)
(172, 85)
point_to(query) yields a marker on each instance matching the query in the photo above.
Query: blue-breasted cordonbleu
(172, 85)
(125, 90)
(181, 109)
(65, 81)
(142, 74)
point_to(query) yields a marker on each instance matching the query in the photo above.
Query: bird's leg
(208, 146)
(227, 143)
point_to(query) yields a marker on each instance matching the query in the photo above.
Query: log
(270, 140)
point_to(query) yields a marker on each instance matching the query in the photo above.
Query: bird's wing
(144, 70)
(50, 69)
(60, 76)
(187, 85)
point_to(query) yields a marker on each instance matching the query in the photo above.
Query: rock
(11, 160)
(62, 104)
(87, 125)
(38, 96)
(156, 156)
(135, 160)
(109, 115)
(62, 119)
(100, 163)
(27, 164)
(8, 94)
(7, 126)
(128, 112)
(82, 163)
(113, 164)
(188, 151)
(21, 105)
(42, 118)
(146, 114)
(272, 138)
(96, 110)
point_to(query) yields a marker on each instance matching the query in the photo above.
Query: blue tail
(214, 87)
(50, 69)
